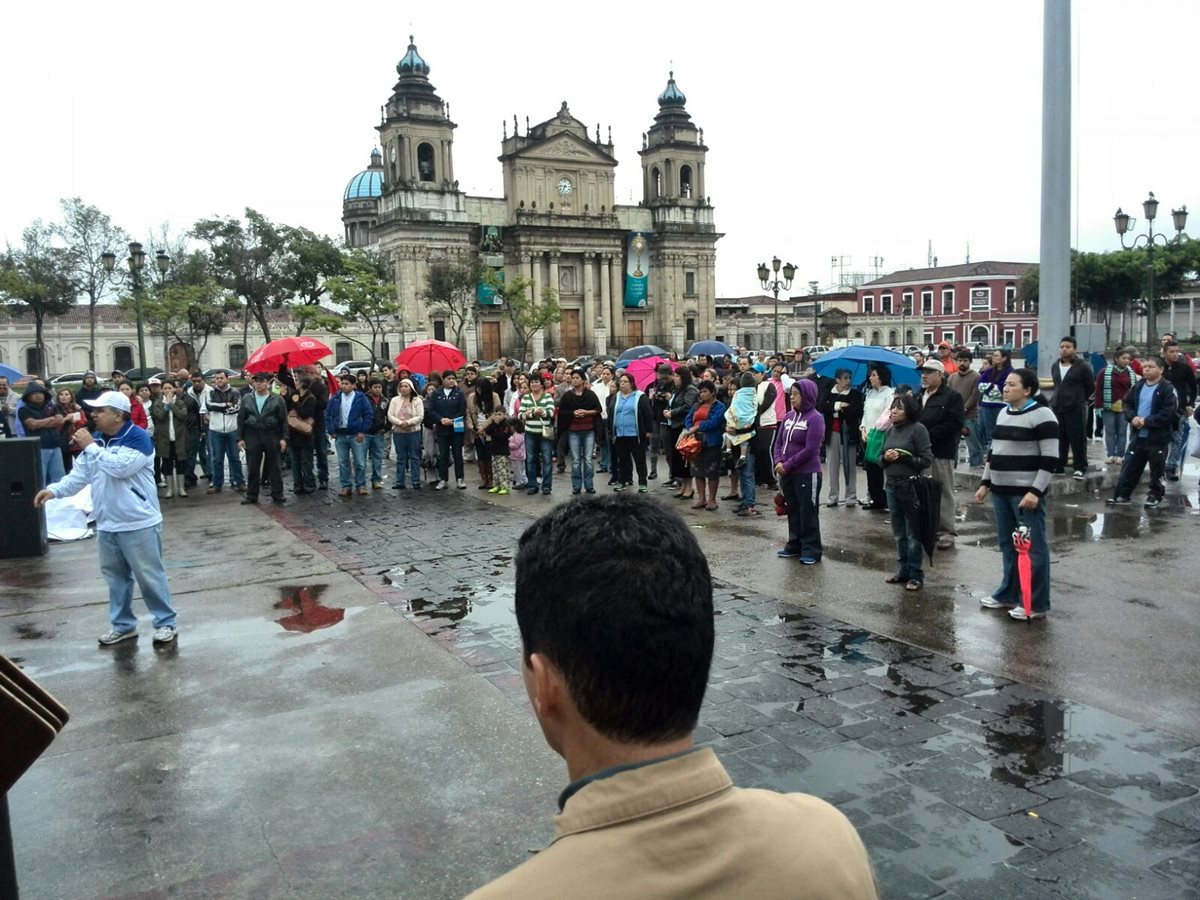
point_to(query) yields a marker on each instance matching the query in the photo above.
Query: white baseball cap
(115, 399)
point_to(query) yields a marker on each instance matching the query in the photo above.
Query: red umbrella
(1024, 569)
(290, 351)
(643, 370)
(425, 357)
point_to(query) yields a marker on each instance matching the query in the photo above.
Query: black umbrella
(920, 498)
(641, 351)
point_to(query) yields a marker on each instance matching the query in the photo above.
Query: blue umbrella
(641, 351)
(859, 359)
(711, 348)
(10, 373)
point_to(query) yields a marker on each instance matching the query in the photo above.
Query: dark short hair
(840, 373)
(885, 375)
(908, 403)
(375, 382)
(1156, 359)
(1067, 339)
(1029, 380)
(706, 385)
(1169, 344)
(346, 376)
(624, 612)
(747, 380)
(449, 373)
(964, 354)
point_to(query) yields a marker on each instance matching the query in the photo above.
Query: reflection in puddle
(307, 613)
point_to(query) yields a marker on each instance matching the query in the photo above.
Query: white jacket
(120, 470)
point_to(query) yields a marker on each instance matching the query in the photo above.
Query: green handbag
(874, 450)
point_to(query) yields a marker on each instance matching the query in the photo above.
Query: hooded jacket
(801, 435)
(120, 470)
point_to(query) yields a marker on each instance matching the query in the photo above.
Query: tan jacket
(680, 829)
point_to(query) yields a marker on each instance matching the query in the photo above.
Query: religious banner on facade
(485, 293)
(491, 256)
(637, 269)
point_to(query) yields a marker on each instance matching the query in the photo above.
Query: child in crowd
(516, 452)
(741, 412)
(498, 432)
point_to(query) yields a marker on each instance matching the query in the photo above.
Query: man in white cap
(118, 463)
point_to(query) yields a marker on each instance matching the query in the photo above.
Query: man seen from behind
(647, 813)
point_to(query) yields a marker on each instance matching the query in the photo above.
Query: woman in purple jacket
(797, 456)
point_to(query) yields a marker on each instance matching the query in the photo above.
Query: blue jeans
(987, 424)
(582, 443)
(220, 446)
(346, 445)
(909, 551)
(1116, 431)
(1007, 518)
(408, 455)
(129, 555)
(747, 477)
(375, 454)
(52, 466)
(537, 447)
(975, 444)
(1178, 443)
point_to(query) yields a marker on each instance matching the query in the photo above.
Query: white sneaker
(461, 483)
(165, 635)
(111, 637)
(993, 603)
(439, 486)
(1018, 613)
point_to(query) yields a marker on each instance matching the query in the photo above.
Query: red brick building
(965, 304)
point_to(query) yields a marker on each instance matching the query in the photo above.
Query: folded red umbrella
(424, 357)
(1024, 568)
(289, 351)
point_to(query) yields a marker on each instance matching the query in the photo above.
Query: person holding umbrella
(1017, 472)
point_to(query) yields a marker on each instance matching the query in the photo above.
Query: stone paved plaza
(343, 715)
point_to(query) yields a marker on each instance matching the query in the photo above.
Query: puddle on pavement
(306, 613)
(27, 631)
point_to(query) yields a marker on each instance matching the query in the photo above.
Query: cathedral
(624, 275)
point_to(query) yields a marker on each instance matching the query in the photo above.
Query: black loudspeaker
(22, 528)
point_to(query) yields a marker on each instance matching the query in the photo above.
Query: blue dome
(365, 185)
(412, 61)
(672, 96)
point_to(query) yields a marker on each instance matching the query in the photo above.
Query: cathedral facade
(624, 275)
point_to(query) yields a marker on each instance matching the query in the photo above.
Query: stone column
(601, 339)
(606, 292)
(588, 325)
(699, 194)
(617, 323)
(552, 331)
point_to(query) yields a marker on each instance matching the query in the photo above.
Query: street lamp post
(1124, 222)
(137, 259)
(774, 285)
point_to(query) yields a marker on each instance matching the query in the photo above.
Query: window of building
(981, 298)
(906, 300)
(237, 356)
(804, 341)
(948, 336)
(385, 351)
(948, 301)
(927, 303)
(33, 361)
(981, 334)
(858, 333)
(439, 330)
(1027, 306)
(927, 338)
(689, 284)
(893, 336)
(868, 303)
(1026, 336)
(655, 183)
(342, 352)
(123, 357)
(875, 338)
(1008, 337)
(685, 181)
(885, 304)
(1010, 298)
(689, 329)
(425, 167)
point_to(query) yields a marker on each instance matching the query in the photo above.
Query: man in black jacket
(447, 408)
(1182, 376)
(1074, 384)
(942, 416)
(1151, 409)
(262, 433)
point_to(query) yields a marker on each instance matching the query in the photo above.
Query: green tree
(309, 261)
(38, 277)
(528, 314)
(366, 293)
(89, 234)
(248, 260)
(450, 292)
(189, 306)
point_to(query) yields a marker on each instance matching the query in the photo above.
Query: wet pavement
(942, 731)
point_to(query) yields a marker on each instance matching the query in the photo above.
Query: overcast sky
(858, 129)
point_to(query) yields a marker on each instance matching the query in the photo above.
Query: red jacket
(137, 414)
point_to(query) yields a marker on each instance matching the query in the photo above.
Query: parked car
(353, 366)
(138, 375)
(816, 351)
(68, 378)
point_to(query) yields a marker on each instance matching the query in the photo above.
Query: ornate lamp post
(1124, 222)
(774, 285)
(137, 259)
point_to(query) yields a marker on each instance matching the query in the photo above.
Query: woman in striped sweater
(1017, 472)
